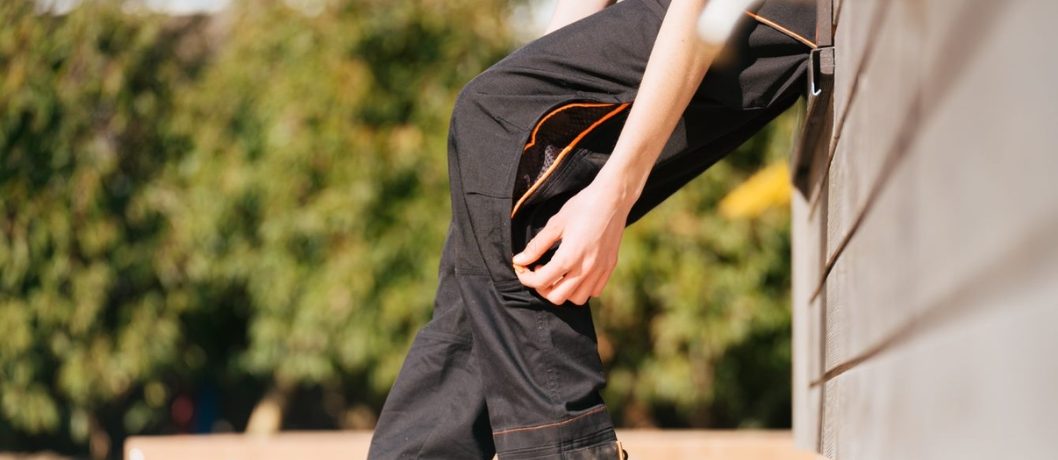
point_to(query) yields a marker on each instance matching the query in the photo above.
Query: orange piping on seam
(563, 153)
(780, 28)
(555, 111)
(548, 425)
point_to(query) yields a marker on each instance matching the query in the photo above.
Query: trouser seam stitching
(549, 425)
(552, 379)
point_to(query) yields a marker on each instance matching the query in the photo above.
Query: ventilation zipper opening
(553, 138)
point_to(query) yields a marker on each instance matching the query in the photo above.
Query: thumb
(539, 244)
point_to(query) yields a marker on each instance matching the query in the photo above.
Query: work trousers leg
(500, 369)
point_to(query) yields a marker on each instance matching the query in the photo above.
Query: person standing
(552, 152)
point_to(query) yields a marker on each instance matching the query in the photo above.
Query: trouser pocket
(565, 150)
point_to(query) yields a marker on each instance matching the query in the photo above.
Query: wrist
(622, 183)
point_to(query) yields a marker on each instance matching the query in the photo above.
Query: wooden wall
(926, 249)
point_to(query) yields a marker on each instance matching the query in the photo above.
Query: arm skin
(567, 11)
(590, 225)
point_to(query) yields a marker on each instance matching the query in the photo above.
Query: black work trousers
(499, 369)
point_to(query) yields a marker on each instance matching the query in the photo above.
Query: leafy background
(233, 222)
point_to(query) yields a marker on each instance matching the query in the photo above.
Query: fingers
(564, 290)
(591, 286)
(559, 284)
(580, 266)
(581, 289)
(546, 275)
(539, 244)
(600, 283)
(584, 292)
(577, 288)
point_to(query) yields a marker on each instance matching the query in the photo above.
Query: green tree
(255, 202)
(317, 180)
(250, 196)
(696, 292)
(86, 317)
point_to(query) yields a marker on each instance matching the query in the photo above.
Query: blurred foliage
(766, 189)
(695, 322)
(257, 200)
(86, 105)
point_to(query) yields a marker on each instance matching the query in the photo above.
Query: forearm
(677, 64)
(567, 11)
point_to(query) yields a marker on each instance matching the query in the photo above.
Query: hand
(590, 226)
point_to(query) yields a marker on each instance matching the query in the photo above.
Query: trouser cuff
(589, 430)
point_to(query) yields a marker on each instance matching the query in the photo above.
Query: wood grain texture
(939, 274)
(803, 282)
(974, 387)
(936, 221)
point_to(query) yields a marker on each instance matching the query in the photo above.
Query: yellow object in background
(765, 189)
